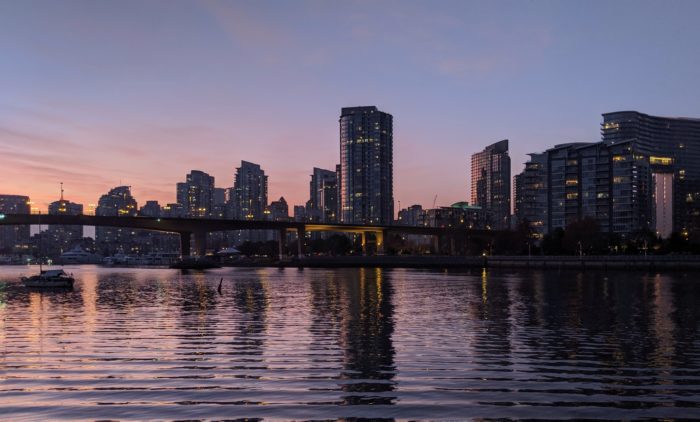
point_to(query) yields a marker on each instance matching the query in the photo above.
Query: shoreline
(623, 262)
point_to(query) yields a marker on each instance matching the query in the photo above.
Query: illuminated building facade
(668, 141)
(118, 202)
(11, 237)
(196, 194)
(663, 204)
(323, 197)
(366, 166)
(490, 189)
(412, 216)
(248, 199)
(63, 238)
(530, 195)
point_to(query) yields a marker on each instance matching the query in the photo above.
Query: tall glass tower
(491, 183)
(366, 166)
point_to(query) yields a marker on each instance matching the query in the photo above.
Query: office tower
(366, 161)
(62, 238)
(323, 196)
(196, 194)
(13, 236)
(531, 195)
(490, 188)
(248, 199)
(672, 142)
(118, 202)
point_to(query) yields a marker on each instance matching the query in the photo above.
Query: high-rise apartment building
(118, 202)
(323, 196)
(490, 184)
(196, 194)
(13, 236)
(366, 166)
(248, 199)
(670, 144)
(531, 194)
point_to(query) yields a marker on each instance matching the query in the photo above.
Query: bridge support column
(363, 242)
(282, 236)
(300, 238)
(379, 236)
(436, 244)
(185, 244)
(200, 243)
(452, 245)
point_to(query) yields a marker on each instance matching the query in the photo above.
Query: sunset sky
(100, 93)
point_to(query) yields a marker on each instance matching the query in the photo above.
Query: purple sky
(99, 93)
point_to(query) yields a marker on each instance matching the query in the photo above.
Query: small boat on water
(49, 279)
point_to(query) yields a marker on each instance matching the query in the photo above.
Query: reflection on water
(362, 343)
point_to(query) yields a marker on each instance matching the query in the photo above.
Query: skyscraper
(118, 202)
(196, 194)
(531, 194)
(490, 188)
(248, 198)
(323, 196)
(366, 166)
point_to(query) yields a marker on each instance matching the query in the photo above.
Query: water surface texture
(350, 343)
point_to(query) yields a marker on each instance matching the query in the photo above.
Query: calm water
(365, 343)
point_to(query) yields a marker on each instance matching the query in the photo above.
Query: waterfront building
(663, 204)
(490, 183)
(366, 166)
(196, 194)
(118, 202)
(323, 196)
(670, 141)
(248, 199)
(413, 216)
(13, 237)
(459, 214)
(531, 195)
(62, 238)
(153, 242)
(610, 183)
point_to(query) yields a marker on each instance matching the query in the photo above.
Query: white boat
(78, 256)
(49, 279)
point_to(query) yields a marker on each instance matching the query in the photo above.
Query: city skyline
(159, 89)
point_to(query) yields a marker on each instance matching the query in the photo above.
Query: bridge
(199, 227)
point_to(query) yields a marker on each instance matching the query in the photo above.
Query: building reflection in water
(366, 336)
(251, 302)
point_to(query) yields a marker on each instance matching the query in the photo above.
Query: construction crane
(434, 201)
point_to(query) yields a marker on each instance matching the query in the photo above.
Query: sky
(96, 94)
